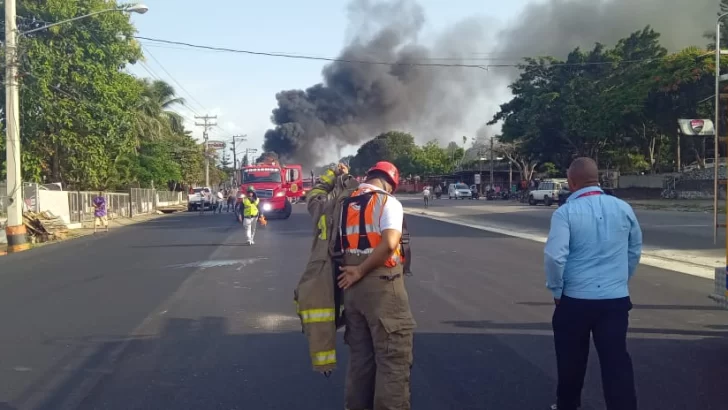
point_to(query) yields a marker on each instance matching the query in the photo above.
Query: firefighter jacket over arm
(316, 295)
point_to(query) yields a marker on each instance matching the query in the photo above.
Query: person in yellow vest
(250, 214)
(378, 318)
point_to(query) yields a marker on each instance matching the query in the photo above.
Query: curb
(702, 271)
(83, 231)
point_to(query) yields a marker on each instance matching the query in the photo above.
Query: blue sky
(240, 89)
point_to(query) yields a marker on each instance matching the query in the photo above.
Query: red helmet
(388, 169)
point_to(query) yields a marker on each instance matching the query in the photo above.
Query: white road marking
(648, 259)
(202, 265)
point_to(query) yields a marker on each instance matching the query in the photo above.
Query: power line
(175, 81)
(421, 63)
(476, 56)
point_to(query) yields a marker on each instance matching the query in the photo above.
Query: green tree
(77, 106)
(619, 106)
(431, 159)
(396, 147)
(157, 164)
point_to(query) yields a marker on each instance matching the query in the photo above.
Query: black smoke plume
(356, 101)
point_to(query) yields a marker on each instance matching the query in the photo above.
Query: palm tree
(156, 120)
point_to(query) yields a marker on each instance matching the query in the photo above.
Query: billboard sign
(696, 127)
(215, 144)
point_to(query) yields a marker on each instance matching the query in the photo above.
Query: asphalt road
(177, 314)
(685, 231)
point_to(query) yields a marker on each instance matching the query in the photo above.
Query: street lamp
(15, 229)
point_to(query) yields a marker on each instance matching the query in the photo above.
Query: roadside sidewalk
(682, 205)
(695, 263)
(88, 229)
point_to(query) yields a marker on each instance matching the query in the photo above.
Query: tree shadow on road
(644, 306)
(200, 364)
(674, 368)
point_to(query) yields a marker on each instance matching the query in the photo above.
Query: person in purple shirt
(100, 217)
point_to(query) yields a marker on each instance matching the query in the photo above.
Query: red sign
(697, 125)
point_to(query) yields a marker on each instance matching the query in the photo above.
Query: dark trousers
(574, 322)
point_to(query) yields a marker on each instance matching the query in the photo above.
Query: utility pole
(480, 174)
(491, 163)
(249, 151)
(206, 126)
(235, 152)
(15, 229)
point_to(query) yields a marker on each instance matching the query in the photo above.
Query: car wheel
(547, 201)
(531, 200)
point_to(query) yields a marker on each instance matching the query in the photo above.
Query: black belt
(390, 277)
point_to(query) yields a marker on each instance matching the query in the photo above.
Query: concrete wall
(642, 181)
(55, 202)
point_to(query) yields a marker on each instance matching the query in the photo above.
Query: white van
(459, 191)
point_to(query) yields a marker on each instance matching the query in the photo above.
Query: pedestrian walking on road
(230, 201)
(592, 252)
(250, 214)
(378, 319)
(426, 194)
(100, 216)
(220, 197)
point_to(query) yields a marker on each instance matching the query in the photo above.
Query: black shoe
(556, 407)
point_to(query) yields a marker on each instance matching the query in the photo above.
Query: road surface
(177, 314)
(674, 230)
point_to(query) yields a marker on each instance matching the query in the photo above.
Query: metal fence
(30, 198)
(137, 201)
(141, 201)
(169, 198)
(81, 207)
(3, 201)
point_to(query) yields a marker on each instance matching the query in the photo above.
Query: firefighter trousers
(379, 333)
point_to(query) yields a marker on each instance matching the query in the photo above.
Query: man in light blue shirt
(593, 250)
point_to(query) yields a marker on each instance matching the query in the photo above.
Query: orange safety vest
(360, 231)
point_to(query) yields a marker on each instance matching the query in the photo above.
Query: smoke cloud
(357, 101)
(556, 27)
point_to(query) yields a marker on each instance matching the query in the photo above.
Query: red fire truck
(276, 185)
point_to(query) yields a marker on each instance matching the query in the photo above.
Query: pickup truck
(200, 198)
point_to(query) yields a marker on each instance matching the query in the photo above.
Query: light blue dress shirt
(593, 248)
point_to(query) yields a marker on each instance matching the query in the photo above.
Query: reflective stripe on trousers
(317, 315)
(324, 358)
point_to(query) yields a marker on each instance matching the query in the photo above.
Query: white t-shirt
(392, 212)
(426, 192)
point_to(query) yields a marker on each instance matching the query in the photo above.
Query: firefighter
(378, 319)
(250, 214)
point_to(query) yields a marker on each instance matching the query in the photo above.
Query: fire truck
(276, 185)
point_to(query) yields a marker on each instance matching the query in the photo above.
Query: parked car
(199, 198)
(459, 191)
(564, 193)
